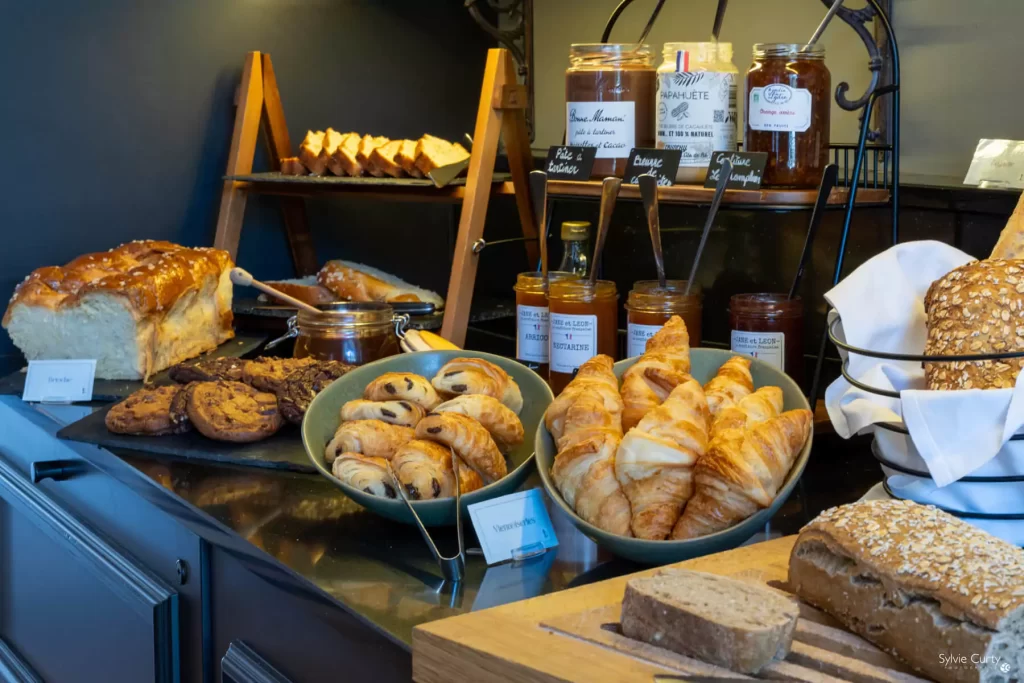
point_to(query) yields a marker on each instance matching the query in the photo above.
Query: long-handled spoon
(609, 193)
(244, 278)
(539, 197)
(723, 179)
(649, 193)
(828, 181)
(822, 26)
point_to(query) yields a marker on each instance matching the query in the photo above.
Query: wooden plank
(694, 194)
(240, 156)
(846, 668)
(520, 163)
(300, 239)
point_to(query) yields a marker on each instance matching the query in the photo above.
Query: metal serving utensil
(609, 193)
(649, 193)
(539, 197)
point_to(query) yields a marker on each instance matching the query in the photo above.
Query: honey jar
(353, 333)
(649, 306)
(584, 321)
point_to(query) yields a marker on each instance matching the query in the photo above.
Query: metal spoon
(609, 193)
(822, 26)
(539, 197)
(244, 278)
(828, 181)
(649, 192)
(723, 179)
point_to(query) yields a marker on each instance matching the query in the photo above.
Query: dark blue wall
(116, 118)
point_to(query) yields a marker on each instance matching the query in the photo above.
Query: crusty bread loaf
(735, 624)
(344, 161)
(332, 140)
(304, 289)
(976, 308)
(1011, 239)
(356, 282)
(136, 309)
(433, 152)
(383, 159)
(292, 166)
(309, 152)
(366, 146)
(406, 158)
(939, 593)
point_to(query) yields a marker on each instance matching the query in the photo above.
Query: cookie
(267, 374)
(232, 411)
(297, 391)
(146, 412)
(208, 370)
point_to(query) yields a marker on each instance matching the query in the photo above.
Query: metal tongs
(452, 568)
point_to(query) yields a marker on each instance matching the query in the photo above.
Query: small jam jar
(353, 333)
(584, 322)
(769, 327)
(532, 342)
(788, 110)
(649, 306)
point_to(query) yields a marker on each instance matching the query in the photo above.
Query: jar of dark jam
(584, 322)
(609, 102)
(353, 333)
(649, 306)
(532, 342)
(769, 327)
(788, 110)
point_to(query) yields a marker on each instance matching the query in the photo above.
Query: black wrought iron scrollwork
(517, 38)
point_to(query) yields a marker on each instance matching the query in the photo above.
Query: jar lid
(575, 231)
(703, 52)
(790, 50)
(347, 314)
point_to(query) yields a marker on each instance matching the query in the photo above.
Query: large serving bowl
(704, 364)
(323, 417)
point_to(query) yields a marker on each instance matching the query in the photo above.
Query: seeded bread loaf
(937, 592)
(734, 624)
(1011, 239)
(976, 308)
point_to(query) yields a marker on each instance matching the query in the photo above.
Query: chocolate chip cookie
(297, 391)
(147, 412)
(232, 411)
(267, 374)
(208, 370)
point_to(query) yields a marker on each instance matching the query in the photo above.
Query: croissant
(742, 473)
(594, 378)
(496, 417)
(425, 469)
(365, 473)
(404, 413)
(477, 376)
(370, 437)
(730, 384)
(585, 476)
(654, 463)
(763, 404)
(394, 386)
(470, 441)
(657, 372)
(588, 417)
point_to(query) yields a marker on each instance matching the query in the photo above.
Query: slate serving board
(283, 451)
(116, 389)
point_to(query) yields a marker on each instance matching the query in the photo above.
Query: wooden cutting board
(570, 636)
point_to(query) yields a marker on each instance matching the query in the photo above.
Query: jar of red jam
(769, 327)
(353, 333)
(649, 306)
(532, 342)
(788, 112)
(584, 322)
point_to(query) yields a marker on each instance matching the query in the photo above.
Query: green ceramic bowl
(704, 365)
(322, 420)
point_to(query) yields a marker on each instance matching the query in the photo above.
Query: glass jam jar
(649, 306)
(353, 333)
(696, 105)
(584, 322)
(532, 339)
(788, 110)
(769, 327)
(609, 102)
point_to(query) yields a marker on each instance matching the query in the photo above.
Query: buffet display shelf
(413, 189)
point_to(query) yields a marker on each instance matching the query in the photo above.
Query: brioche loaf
(937, 592)
(304, 289)
(976, 308)
(309, 152)
(136, 309)
(356, 282)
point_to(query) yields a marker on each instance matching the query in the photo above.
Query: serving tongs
(452, 568)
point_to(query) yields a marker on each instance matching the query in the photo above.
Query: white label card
(59, 381)
(609, 126)
(767, 346)
(778, 107)
(573, 340)
(513, 526)
(997, 163)
(637, 336)
(532, 334)
(696, 114)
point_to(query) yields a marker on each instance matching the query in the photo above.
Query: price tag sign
(660, 163)
(570, 163)
(513, 527)
(747, 169)
(997, 164)
(59, 381)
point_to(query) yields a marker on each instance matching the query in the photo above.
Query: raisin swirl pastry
(365, 473)
(402, 386)
(425, 470)
(300, 388)
(478, 376)
(403, 413)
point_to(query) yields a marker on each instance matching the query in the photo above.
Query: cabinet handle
(58, 470)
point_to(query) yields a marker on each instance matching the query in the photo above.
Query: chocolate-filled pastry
(495, 416)
(232, 411)
(208, 370)
(375, 438)
(299, 389)
(147, 412)
(470, 440)
(267, 374)
(402, 386)
(365, 473)
(477, 376)
(425, 469)
(403, 413)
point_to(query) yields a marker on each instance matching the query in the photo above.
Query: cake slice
(366, 147)
(406, 158)
(292, 166)
(344, 161)
(309, 152)
(432, 152)
(383, 159)
(332, 139)
(723, 621)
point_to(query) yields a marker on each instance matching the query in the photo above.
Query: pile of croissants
(405, 430)
(665, 458)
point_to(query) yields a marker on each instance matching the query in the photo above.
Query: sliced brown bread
(406, 158)
(366, 147)
(344, 161)
(432, 152)
(332, 139)
(734, 624)
(292, 166)
(309, 152)
(383, 159)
